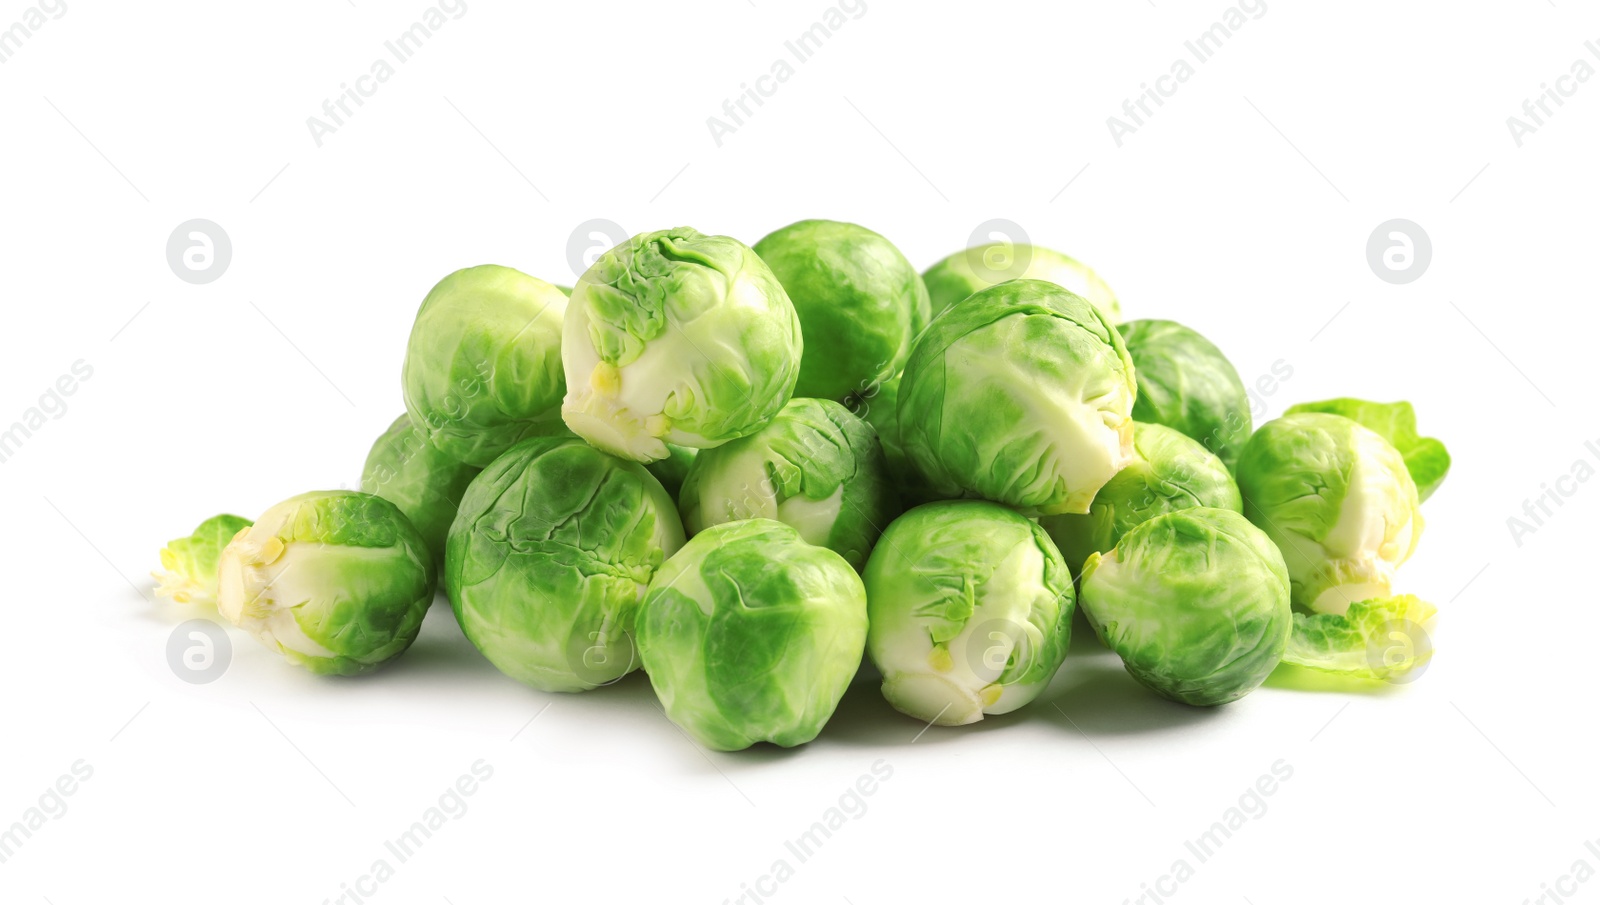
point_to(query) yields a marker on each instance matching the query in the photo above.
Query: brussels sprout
(859, 300)
(408, 471)
(1187, 384)
(673, 469)
(1195, 602)
(1374, 639)
(336, 581)
(970, 611)
(191, 562)
(815, 467)
(877, 406)
(1020, 394)
(751, 634)
(677, 337)
(1426, 458)
(1169, 472)
(549, 556)
(483, 365)
(1338, 501)
(982, 266)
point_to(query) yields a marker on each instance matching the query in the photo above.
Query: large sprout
(815, 467)
(549, 556)
(1187, 384)
(1339, 502)
(1195, 602)
(337, 581)
(859, 300)
(971, 611)
(1168, 472)
(1021, 393)
(483, 365)
(1426, 458)
(677, 337)
(410, 472)
(982, 266)
(750, 634)
(190, 563)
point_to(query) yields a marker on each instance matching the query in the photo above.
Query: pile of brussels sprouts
(746, 469)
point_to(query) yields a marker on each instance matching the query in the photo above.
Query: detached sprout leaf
(1426, 458)
(190, 563)
(1381, 638)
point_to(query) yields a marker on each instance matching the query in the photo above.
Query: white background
(1242, 208)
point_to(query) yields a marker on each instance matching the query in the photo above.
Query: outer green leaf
(982, 266)
(1382, 638)
(410, 472)
(1426, 458)
(1187, 384)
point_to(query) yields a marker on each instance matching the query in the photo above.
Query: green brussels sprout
(815, 467)
(337, 581)
(1339, 502)
(1169, 472)
(1374, 639)
(677, 337)
(982, 266)
(483, 365)
(191, 562)
(672, 470)
(1195, 602)
(859, 300)
(877, 406)
(970, 611)
(549, 556)
(750, 634)
(1426, 458)
(1020, 394)
(408, 471)
(1187, 384)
